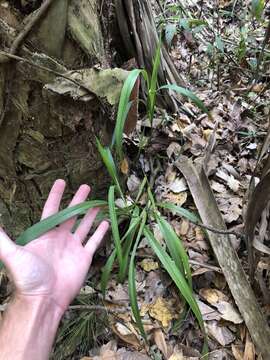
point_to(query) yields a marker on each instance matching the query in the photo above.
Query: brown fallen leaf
(249, 353)
(213, 296)
(237, 353)
(124, 166)
(160, 341)
(220, 333)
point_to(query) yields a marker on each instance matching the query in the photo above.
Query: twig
(99, 308)
(27, 28)
(57, 73)
(217, 231)
(207, 266)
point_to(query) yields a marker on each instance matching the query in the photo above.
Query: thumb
(7, 246)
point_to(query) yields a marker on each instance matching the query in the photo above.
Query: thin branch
(99, 308)
(207, 266)
(57, 73)
(217, 231)
(27, 28)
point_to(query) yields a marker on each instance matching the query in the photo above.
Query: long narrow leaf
(189, 94)
(114, 225)
(175, 275)
(49, 223)
(176, 248)
(107, 158)
(152, 91)
(132, 282)
(180, 211)
(123, 108)
(106, 272)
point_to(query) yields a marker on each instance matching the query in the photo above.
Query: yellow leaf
(148, 265)
(124, 166)
(162, 311)
(207, 133)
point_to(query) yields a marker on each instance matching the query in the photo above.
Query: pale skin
(47, 274)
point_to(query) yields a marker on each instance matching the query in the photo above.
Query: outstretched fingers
(80, 196)
(96, 239)
(52, 204)
(7, 246)
(86, 224)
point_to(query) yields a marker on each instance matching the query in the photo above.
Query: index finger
(52, 204)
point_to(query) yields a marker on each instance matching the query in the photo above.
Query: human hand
(54, 265)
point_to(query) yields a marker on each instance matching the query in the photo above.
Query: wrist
(37, 318)
(39, 304)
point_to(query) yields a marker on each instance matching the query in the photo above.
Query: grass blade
(175, 275)
(152, 91)
(180, 211)
(131, 280)
(106, 272)
(50, 222)
(107, 158)
(123, 109)
(114, 225)
(176, 248)
(189, 94)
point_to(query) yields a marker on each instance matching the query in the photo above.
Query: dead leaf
(126, 335)
(124, 166)
(149, 265)
(177, 356)
(228, 312)
(220, 333)
(213, 296)
(162, 311)
(249, 353)
(178, 199)
(178, 185)
(160, 341)
(237, 353)
(133, 183)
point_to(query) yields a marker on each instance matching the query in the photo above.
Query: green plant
(137, 219)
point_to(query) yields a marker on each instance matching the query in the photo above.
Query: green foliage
(176, 248)
(123, 109)
(107, 158)
(132, 278)
(114, 226)
(176, 275)
(135, 219)
(187, 93)
(52, 221)
(257, 7)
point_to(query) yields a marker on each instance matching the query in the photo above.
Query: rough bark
(43, 135)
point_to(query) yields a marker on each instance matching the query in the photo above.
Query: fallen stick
(226, 255)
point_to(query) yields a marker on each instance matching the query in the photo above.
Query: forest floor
(215, 46)
(217, 54)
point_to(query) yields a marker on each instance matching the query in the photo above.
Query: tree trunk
(48, 124)
(45, 135)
